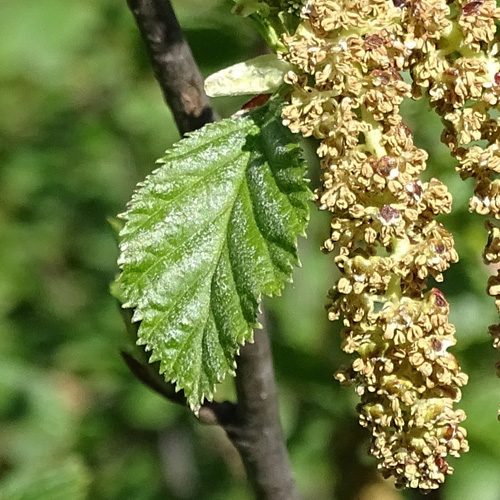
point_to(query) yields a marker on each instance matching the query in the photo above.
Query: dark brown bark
(253, 424)
(173, 63)
(256, 431)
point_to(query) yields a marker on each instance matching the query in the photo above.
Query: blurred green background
(81, 121)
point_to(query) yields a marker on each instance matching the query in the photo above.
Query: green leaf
(205, 235)
(65, 481)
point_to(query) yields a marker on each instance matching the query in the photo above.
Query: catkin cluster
(347, 88)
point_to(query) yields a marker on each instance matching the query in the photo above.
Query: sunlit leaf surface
(205, 235)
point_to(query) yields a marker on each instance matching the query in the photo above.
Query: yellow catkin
(346, 91)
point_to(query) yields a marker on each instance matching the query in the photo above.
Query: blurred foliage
(82, 121)
(65, 480)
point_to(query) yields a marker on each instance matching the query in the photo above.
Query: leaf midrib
(230, 209)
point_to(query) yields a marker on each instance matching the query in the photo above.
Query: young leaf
(260, 75)
(205, 235)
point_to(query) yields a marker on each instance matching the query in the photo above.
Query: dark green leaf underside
(205, 235)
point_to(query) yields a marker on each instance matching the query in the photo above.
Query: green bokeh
(82, 120)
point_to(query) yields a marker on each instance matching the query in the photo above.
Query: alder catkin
(346, 91)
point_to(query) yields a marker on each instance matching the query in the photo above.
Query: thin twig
(253, 424)
(212, 412)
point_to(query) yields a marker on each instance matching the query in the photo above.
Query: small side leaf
(205, 235)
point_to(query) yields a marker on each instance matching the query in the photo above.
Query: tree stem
(173, 63)
(258, 434)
